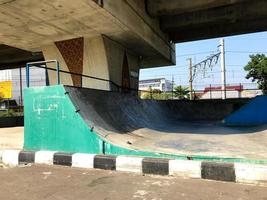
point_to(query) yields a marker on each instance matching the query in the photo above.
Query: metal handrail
(39, 65)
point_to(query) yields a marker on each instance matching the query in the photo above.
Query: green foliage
(181, 92)
(156, 94)
(257, 70)
(10, 113)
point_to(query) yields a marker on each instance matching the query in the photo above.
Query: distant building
(161, 84)
(234, 91)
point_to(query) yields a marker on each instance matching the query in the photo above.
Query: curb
(230, 172)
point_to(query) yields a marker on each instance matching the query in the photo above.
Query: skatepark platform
(70, 119)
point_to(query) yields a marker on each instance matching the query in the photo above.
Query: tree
(155, 94)
(257, 70)
(181, 92)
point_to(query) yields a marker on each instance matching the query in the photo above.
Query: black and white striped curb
(233, 172)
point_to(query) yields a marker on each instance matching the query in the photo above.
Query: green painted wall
(52, 123)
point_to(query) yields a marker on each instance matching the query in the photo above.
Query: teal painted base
(52, 123)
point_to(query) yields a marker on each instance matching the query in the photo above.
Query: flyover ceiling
(11, 57)
(186, 20)
(143, 26)
(32, 25)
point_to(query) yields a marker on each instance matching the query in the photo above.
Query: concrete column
(51, 52)
(95, 63)
(98, 57)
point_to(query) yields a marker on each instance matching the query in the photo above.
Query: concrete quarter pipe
(70, 119)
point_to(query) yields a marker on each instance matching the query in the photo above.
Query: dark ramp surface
(122, 113)
(191, 127)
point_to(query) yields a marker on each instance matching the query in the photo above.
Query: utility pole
(223, 77)
(20, 87)
(172, 85)
(190, 79)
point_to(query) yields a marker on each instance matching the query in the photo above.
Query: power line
(210, 62)
(215, 71)
(248, 52)
(207, 52)
(198, 53)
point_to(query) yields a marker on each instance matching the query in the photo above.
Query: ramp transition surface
(91, 121)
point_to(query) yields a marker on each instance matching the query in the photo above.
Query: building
(234, 91)
(161, 84)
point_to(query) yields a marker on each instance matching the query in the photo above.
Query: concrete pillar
(98, 57)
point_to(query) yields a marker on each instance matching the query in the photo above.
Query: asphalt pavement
(63, 183)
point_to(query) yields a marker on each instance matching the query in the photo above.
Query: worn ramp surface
(167, 126)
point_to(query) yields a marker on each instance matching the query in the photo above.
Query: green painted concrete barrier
(53, 123)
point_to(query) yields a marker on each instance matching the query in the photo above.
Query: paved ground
(62, 183)
(11, 138)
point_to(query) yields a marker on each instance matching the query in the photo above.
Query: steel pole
(223, 76)
(190, 79)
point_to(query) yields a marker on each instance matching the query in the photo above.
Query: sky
(237, 48)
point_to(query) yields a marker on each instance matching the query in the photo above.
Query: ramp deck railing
(43, 65)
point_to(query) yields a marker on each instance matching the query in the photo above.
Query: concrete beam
(11, 57)
(251, 10)
(131, 13)
(162, 7)
(219, 30)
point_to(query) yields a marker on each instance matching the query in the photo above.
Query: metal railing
(43, 64)
(200, 94)
(39, 64)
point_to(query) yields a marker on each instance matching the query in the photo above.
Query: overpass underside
(113, 39)
(203, 19)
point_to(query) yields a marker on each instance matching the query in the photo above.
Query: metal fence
(207, 91)
(210, 91)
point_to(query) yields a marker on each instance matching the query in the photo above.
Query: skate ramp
(70, 119)
(53, 123)
(116, 113)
